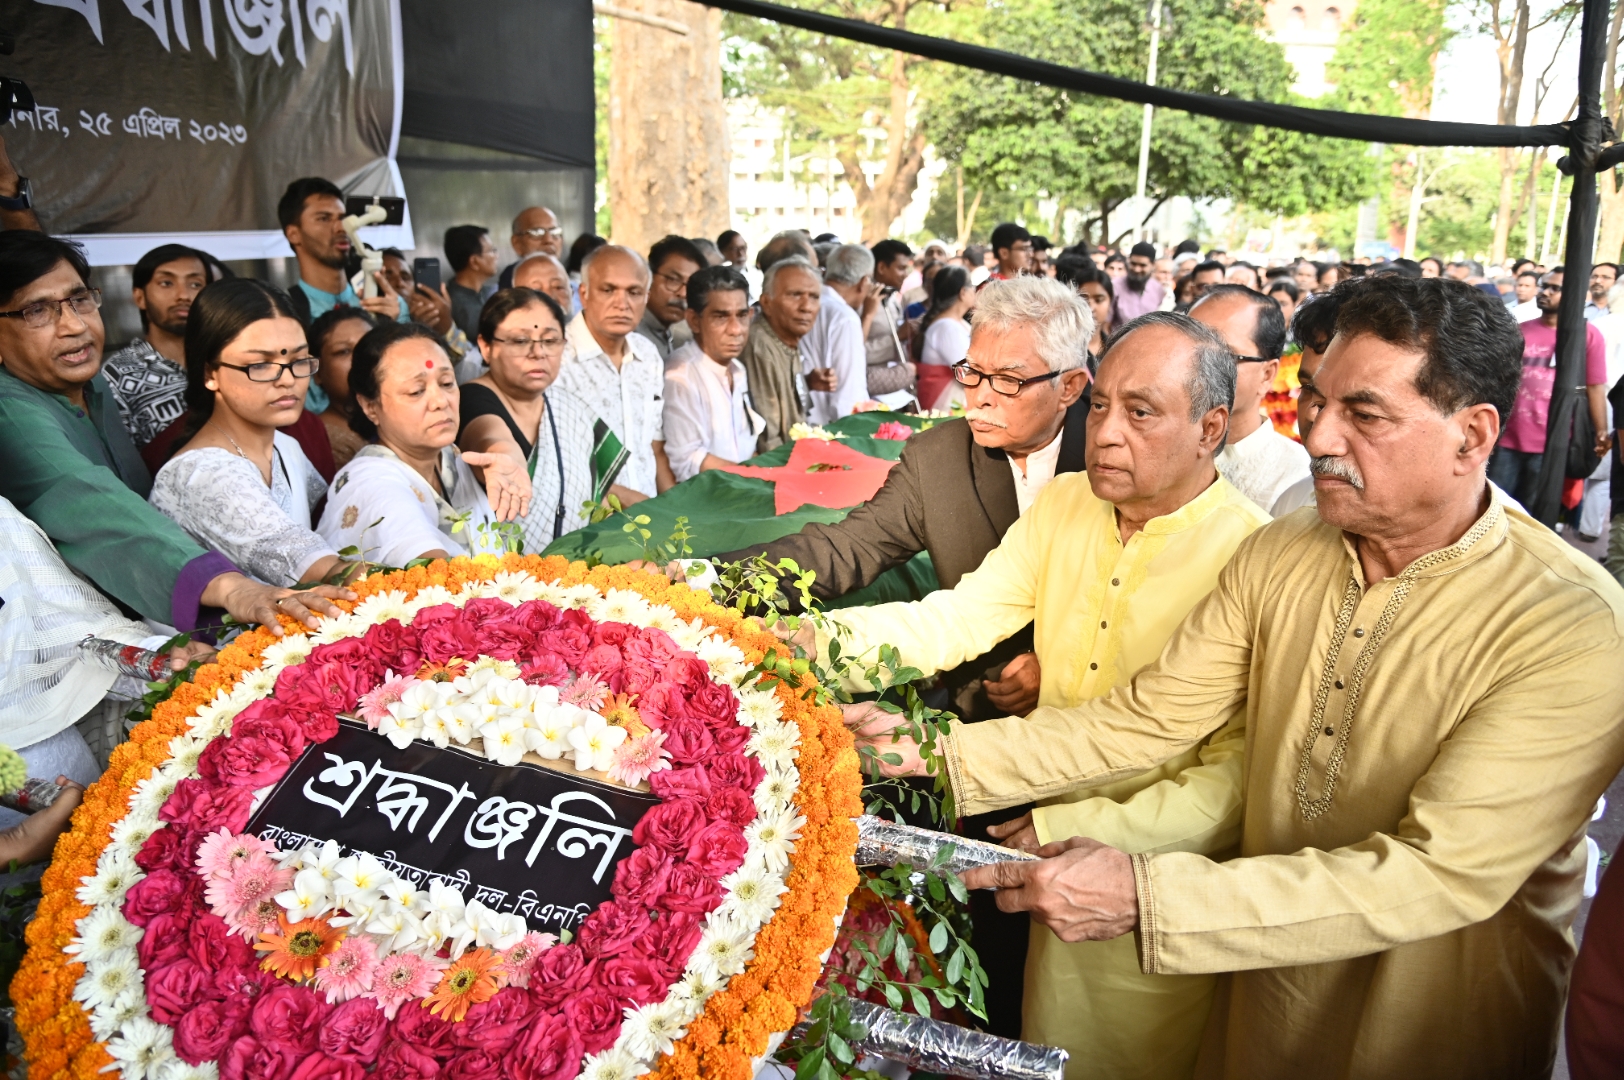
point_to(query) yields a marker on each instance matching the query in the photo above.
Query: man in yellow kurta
(1433, 686)
(1106, 564)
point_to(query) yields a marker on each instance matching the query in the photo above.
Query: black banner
(519, 839)
(187, 116)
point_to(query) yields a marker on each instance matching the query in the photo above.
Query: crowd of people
(1252, 637)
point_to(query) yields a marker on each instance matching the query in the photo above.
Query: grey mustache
(1337, 469)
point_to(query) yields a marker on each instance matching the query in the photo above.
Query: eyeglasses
(676, 281)
(525, 345)
(1239, 359)
(1007, 385)
(46, 312)
(270, 371)
(539, 234)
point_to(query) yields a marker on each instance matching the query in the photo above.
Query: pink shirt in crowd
(1525, 431)
(1130, 304)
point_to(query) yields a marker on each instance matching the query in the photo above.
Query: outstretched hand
(507, 483)
(32, 840)
(1080, 889)
(248, 601)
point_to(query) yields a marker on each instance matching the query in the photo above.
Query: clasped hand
(1079, 888)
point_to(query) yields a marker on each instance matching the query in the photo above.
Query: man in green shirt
(70, 466)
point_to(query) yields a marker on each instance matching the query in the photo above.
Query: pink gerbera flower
(374, 704)
(635, 759)
(245, 884)
(403, 977)
(586, 691)
(255, 919)
(349, 970)
(221, 851)
(520, 960)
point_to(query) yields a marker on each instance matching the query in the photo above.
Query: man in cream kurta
(1434, 694)
(1103, 607)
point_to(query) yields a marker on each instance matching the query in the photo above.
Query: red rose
(204, 807)
(641, 876)
(670, 826)
(714, 701)
(551, 1050)
(431, 1034)
(164, 942)
(244, 762)
(395, 646)
(569, 639)
(215, 948)
(536, 616)
(688, 739)
(277, 725)
(602, 660)
(250, 1059)
(170, 847)
(174, 989)
(496, 1024)
(595, 1014)
(657, 643)
(289, 1019)
(242, 985)
(729, 737)
(159, 892)
(319, 1066)
(670, 940)
(646, 655)
(323, 686)
(636, 980)
(612, 633)
(612, 928)
(496, 631)
(559, 972)
(735, 770)
(661, 701)
(688, 672)
(402, 1061)
(731, 805)
(351, 652)
(477, 1064)
(446, 638)
(690, 889)
(354, 1030)
(686, 783)
(205, 1030)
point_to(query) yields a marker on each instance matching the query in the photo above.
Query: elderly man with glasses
(1105, 564)
(535, 230)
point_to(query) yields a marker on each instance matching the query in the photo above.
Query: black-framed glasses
(270, 371)
(1239, 359)
(46, 312)
(1008, 385)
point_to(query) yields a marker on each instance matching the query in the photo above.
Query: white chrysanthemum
(571, 597)
(337, 628)
(690, 993)
(753, 893)
(427, 597)
(548, 733)
(554, 593)
(661, 617)
(725, 660)
(289, 650)
(115, 873)
(724, 948)
(775, 742)
(110, 1019)
(254, 685)
(504, 739)
(107, 978)
(176, 1069)
(514, 586)
(134, 830)
(614, 1063)
(757, 707)
(653, 1030)
(381, 607)
(777, 789)
(184, 750)
(142, 1048)
(690, 633)
(102, 933)
(774, 837)
(214, 719)
(619, 605)
(150, 794)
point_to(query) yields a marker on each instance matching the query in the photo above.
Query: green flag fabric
(608, 458)
(726, 512)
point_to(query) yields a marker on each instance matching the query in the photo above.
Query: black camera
(14, 93)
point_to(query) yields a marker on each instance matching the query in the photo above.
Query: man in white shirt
(616, 371)
(1257, 459)
(708, 418)
(834, 354)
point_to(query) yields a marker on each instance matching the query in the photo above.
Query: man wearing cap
(1138, 291)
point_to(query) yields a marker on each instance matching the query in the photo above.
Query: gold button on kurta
(1052, 569)
(1412, 838)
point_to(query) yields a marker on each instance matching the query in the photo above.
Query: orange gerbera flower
(476, 976)
(620, 712)
(295, 950)
(431, 672)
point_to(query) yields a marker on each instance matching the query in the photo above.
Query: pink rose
(718, 849)
(215, 948)
(551, 1050)
(159, 892)
(289, 1019)
(276, 725)
(612, 633)
(319, 1066)
(595, 1014)
(536, 616)
(612, 928)
(323, 686)
(205, 1030)
(172, 847)
(656, 644)
(684, 783)
(244, 762)
(670, 826)
(731, 805)
(444, 638)
(729, 737)
(661, 701)
(688, 739)
(602, 660)
(173, 990)
(354, 1030)
(431, 1034)
(496, 1024)
(204, 807)
(241, 984)
(402, 1061)
(688, 672)
(670, 939)
(352, 653)
(477, 1065)
(395, 646)
(559, 972)
(250, 1059)
(735, 770)
(636, 980)
(496, 631)
(714, 701)
(690, 889)
(164, 942)
(641, 876)
(569, 640)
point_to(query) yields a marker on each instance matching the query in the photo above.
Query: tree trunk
(1512, 47)
(1612, 188)
(668, 145)
(880, 204)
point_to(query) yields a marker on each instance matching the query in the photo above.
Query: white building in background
(771, 189)
(1307, 30)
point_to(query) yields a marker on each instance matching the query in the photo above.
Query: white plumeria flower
(480, 926)
(614, 1063)
(504, 739)
(436, 727)
(290, 649)
(474, 679)
(311, 895)
(548, 734)
(775, 742)
(401, 893)
(594, 741)
(724, 948)
(753, 893)
(115, 873)
(503, 670)
(109, 1020)
(396, 929)
(109, 977)
(102, 933)
(401, 729)
(510, 693)
(359, 879)
(654, 1029)
(381, 607)
(774, 837)
(777, 789)
(500, 931)
(757, 707)
(543, 697)
(362, 909)
(462, 722)
(446, 901)
(323, 858)
(142, 1048)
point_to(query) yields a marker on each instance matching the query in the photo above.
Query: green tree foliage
(1385, 58)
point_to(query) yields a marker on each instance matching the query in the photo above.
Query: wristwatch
(23, 200)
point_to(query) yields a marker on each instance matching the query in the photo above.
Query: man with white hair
(835, 349)
(1105, 564)
(617, 372)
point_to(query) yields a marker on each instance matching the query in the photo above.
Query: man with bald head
(616, 371)
(535, 230)
(1259, 460)
(545, 274)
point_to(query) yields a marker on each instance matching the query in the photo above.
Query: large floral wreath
(172, 943)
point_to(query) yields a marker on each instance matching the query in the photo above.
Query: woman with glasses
(945, 333)
(238, 485)
(510, 410)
